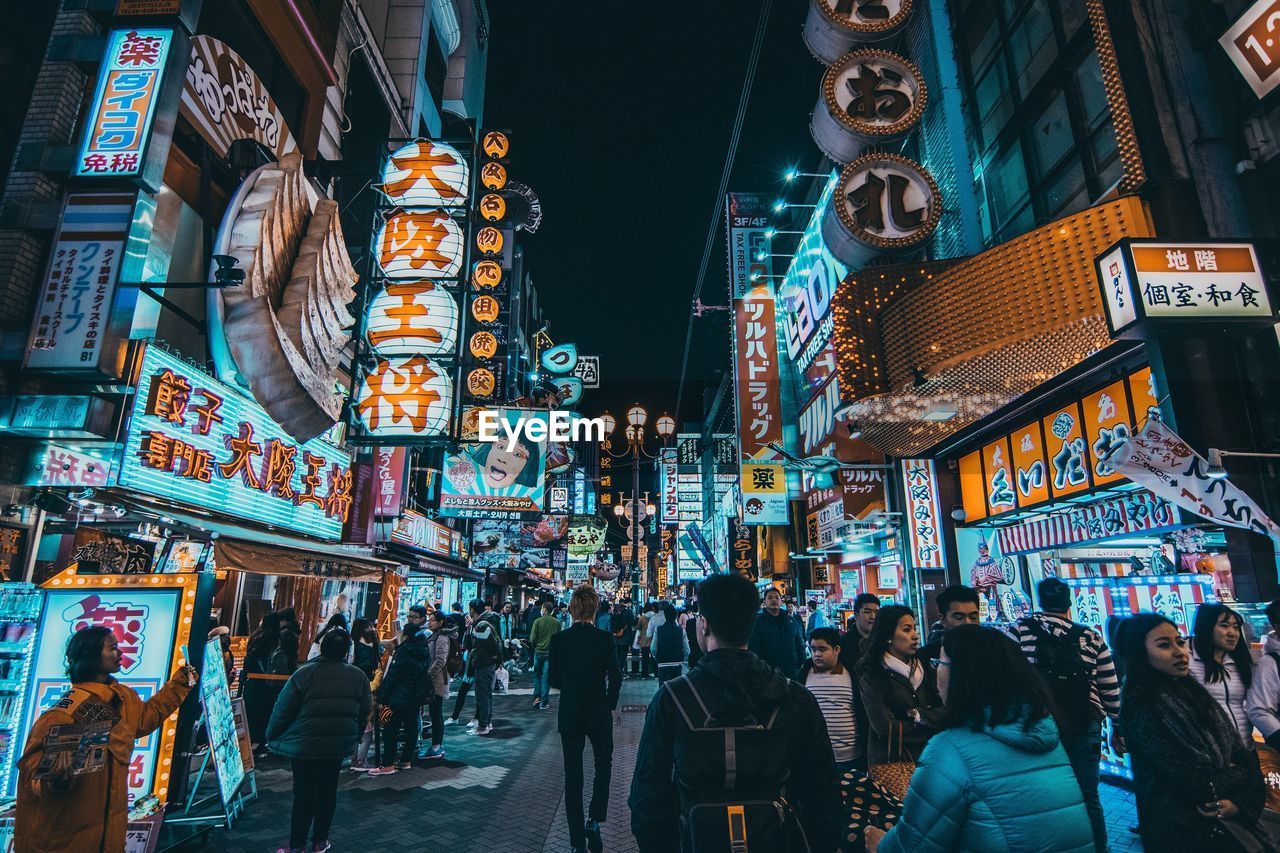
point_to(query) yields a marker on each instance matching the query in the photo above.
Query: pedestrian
(442, 645)
(836, 690)
(957, 605)
(853, 642)
(670, 644)
(622, 627)
(688, 790)
(1076, 665)
(899, 695)
(996, 777)
(1221, 662)
(545, 627)
(260, 685)
(531, 614)
(562, 615)
(1263, 700)
(317, 720)
(417, 616)
(1198, 787)
(223, 635)
(584, 668)
(507, 623)
(603, 617)
(366, 651)
(640, 663)
(656, 619)
(691, 634)
(777, 638)
(485, 653)
(63, 812)
(285, 660)
(404, 690)
(337, 621)
(817, 617)
(463, 628)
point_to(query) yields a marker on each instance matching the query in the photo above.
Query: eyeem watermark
(557, 426)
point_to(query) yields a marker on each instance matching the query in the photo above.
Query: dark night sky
(621, 115)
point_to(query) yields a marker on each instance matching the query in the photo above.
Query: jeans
(621, 651)
(401, 718)
(463, 689)
(646, 662)
(601, 737)
(436, 709)
(1084, 751)
(542, 676)
(315, 796)
(484, 694)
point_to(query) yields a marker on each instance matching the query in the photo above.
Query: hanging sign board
(1253, 44)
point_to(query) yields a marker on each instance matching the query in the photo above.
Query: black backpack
(1070, 679)
(731, 769)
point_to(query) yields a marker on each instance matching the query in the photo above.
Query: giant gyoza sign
(195, 440)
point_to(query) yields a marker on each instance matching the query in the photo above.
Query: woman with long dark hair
(260, 691)
(1198, 787)
(996, 776)
(1220, 660)
(337, 621)
(898, 691)
(91, 811)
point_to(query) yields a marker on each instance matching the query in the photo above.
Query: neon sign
(124, 104)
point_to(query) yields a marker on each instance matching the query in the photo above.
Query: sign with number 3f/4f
(1253, 43)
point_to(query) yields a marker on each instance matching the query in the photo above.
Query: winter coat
(405, 684)
(93, 812)
(321, 712)
(887, 699)
(778, 640)
(1229, 694)
(623, 627)
(1263, 701)
(482, 644)
(749, 683)
(365, 657)
(999, 790)
(438, 671)
(670, 645)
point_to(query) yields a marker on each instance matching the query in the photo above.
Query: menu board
(220, 722)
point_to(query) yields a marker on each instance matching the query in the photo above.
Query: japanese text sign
(813, 276)
(1253, 43)
(118, 124)
(756, 376)
(195, 440)
(764, 493)
(1136, 512)
(493, 479)
(923, 511)
(748, 216)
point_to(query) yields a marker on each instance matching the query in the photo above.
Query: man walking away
(853, 642)
(691, 635)
(670, 644)
(640, 667)
(734, 755)
(545, 627)
(1263, 700)
(835, 689)
(622, 626)
(1076, 664)
(585, 670)
(444, 646)
(957, 605)
(405, 689)
(776, 637)
(485, 654)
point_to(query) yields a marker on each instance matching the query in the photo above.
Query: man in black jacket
(485, 656)
(665, 784)
(584, 668)
(853, 642)
(405, 689)
(777, 637)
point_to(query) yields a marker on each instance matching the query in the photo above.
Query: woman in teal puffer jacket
(996, 779)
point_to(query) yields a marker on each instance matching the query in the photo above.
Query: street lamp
(666, 426)
(609, 423)
(636, 416)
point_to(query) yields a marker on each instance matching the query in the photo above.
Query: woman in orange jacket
(89, 812)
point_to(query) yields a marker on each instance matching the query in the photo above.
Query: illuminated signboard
(1253, 44)
(194, 440)
(413, 245)
(486, 480)
(413, 318)
(118, 124)
(410, 396)
(809, 286)
(224, 743)
(924, 514)
(145, 614)
(426, 174)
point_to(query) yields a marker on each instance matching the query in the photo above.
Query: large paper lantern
(884, 204)
(413, 318)
(405, 396)
(493, 175)
(420, 244)
(426, 174)
(560, 360)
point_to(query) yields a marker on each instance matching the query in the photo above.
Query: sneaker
(436, 753)
(291, 850)
(382, 771)
(321, 847)
(594, 842)
(451, 721)
(546, 707)
(474, 724)
(483, 730)
(404, 765)
(360, 768)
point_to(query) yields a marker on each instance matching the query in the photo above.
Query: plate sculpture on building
(884, 204)
(869, 97)
(833, 27)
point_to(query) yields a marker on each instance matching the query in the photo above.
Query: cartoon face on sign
(128, 622)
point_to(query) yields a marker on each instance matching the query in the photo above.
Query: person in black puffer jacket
(405, 689)
(777, 638)
(317, 720)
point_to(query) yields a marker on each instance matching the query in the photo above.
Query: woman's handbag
(893, 776)
(868, 805)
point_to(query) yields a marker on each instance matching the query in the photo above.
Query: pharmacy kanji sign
(1147, 284)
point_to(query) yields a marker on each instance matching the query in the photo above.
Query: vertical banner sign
(118, 125)
(742, 545)
(388, 477)
(747, 216)
(1253, 43)
(924, 516)
(670, 501)
(756, 368)
(72, 318)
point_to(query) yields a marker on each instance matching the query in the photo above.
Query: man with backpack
(404, 690)
(734, 755)
(1076, 665)
(484, 656)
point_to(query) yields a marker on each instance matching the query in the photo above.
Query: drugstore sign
(195, 440)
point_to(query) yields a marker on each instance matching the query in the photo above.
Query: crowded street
(822, 426)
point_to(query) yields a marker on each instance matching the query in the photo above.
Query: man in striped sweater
(836, 691)
(1077, 666)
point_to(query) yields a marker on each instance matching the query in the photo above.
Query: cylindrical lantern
(834, 27)
(493, 176)
(426, 174)
(489, 241)
(486, 275)
(416, 245)
(481, 383)
(406, 396)
(413, 318)
(869, 97)
(883, 204)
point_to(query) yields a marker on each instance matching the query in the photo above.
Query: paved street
(498, 794)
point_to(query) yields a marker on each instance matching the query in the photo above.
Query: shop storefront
(437, 558)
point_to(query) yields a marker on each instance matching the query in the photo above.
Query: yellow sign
(489, 240)
(495, 145)
(486, 274)
(493, 207)
(493, 176)
(485, 309)
(480, 382)
(484, 345)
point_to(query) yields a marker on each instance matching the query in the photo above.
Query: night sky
(621, 115)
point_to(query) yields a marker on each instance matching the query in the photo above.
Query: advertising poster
(486, 480)
(995, 576)
(241, 718)
(1091, 603)
(515, 544)
(219, 721)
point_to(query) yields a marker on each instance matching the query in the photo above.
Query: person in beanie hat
(1076, 664)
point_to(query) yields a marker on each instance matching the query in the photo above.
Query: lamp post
(635, 509)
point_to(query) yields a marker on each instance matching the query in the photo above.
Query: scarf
(1195, 721)
(914, 672)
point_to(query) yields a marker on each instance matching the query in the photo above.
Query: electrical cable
(761, 27)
